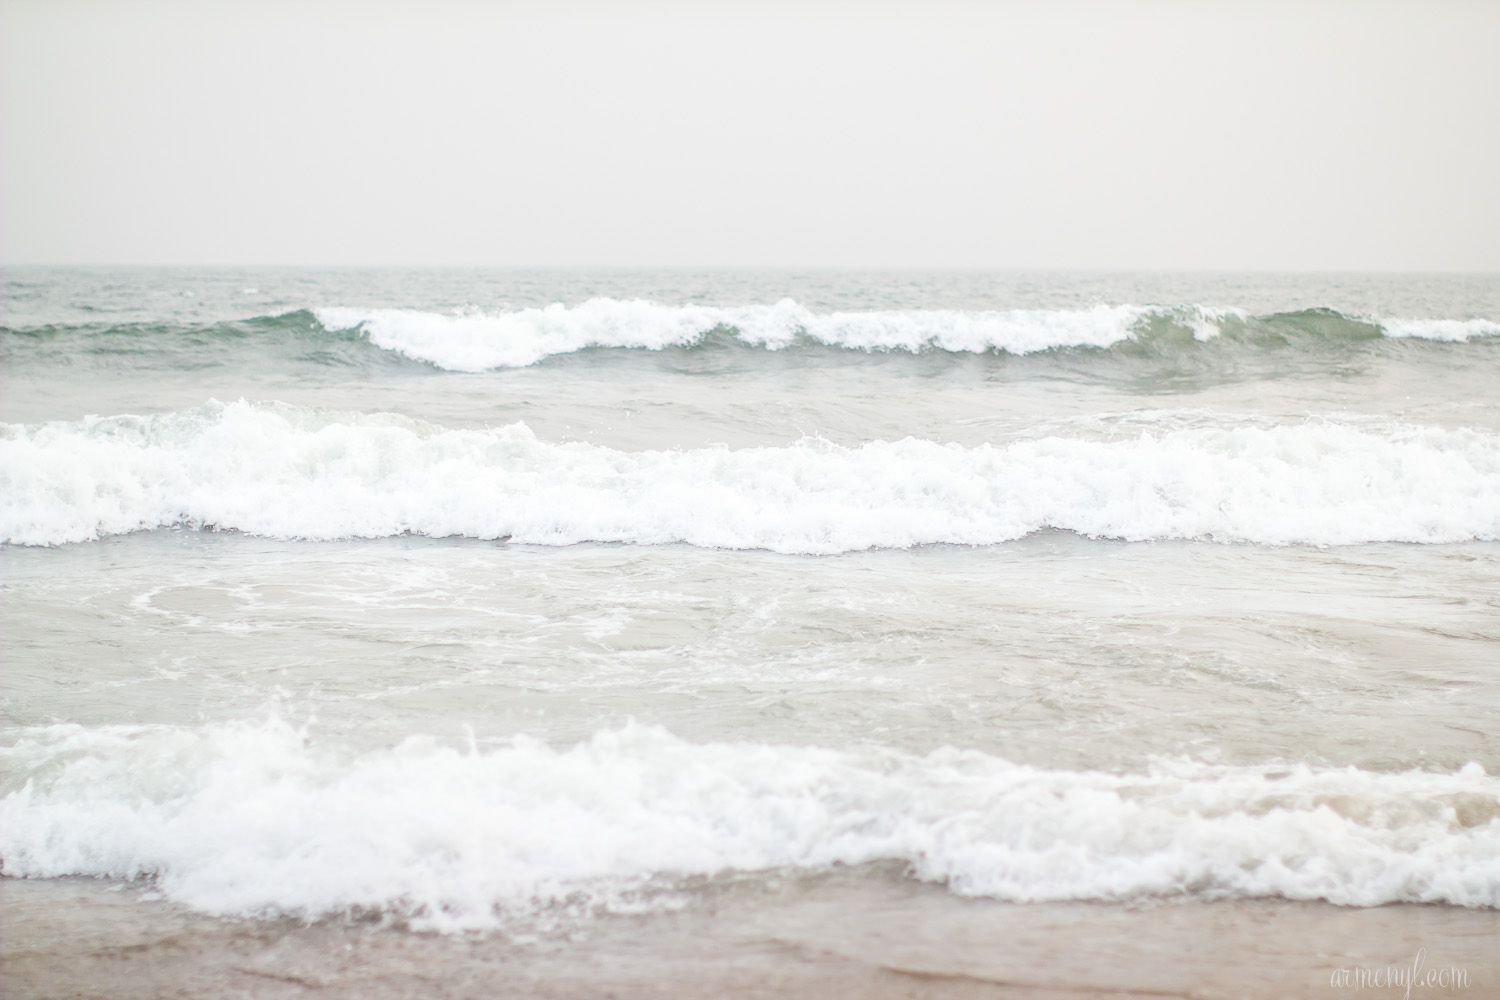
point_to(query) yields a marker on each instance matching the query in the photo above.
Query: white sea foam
(1440, 329)
(247, 818)
(291, 472)
(474, 341)
(477, 342)
(1205, 321)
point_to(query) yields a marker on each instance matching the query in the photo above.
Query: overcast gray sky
(1126, 134)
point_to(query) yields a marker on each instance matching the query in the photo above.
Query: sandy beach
(847, 934)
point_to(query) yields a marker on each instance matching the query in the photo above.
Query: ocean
(633, 631)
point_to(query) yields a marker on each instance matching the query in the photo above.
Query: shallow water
(1047, 590)
(852, 933)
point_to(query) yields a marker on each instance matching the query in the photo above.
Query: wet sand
(849, 934)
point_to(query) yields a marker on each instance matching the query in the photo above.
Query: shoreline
(847, 933)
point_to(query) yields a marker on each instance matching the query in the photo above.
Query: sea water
(469, 599)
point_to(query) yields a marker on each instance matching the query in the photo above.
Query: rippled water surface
(458, 596)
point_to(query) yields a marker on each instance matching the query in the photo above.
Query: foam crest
(1453, 330)
(246, 819)
(477, 342)
(289, 472)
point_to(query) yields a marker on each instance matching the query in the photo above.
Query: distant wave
(291, 472)
(476, 341)
(1453, 330)
(248, 819)
(479, 341)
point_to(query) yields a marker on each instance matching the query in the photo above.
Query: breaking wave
(478, 342)
(251, 819)
(475, 341)
(292, 472)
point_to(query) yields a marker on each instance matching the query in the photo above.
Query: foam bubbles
(248, 818)
(474, 342)
(1453, 330)
(477, 342)
(290, 472)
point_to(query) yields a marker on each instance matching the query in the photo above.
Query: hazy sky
(1116, 134)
